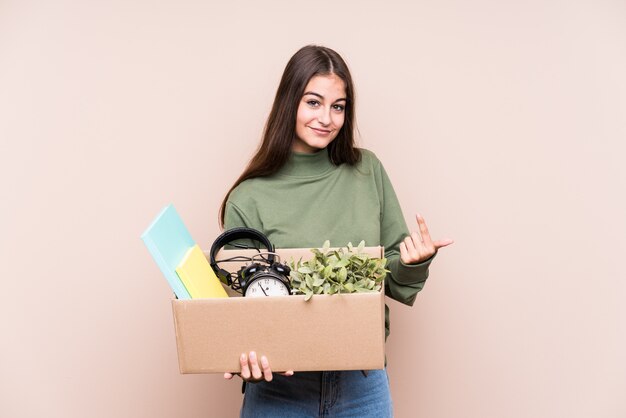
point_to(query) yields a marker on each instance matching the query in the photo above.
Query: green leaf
(342, 274)
(305, 270)
(343, 262)
(318, 281)
(309, 280)
(326, 273)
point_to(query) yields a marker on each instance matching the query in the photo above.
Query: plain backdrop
(502, 122)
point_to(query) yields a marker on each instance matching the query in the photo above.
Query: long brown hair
(280, 128)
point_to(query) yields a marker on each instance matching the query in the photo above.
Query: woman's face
(321, 113)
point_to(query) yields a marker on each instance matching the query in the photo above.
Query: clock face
(266, 286)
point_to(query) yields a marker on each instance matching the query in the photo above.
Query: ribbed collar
(307, 165)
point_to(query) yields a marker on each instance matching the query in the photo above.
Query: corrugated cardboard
(328, 332)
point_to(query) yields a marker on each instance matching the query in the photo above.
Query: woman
(308, 183)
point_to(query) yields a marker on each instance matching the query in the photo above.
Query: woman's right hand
(250, 370)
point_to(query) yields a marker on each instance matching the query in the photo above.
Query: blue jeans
(320, 394)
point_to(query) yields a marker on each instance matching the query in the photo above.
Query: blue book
(168, 240)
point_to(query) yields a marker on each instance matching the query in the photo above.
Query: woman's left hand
(419, 247)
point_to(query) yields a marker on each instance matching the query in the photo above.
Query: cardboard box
(328, 332)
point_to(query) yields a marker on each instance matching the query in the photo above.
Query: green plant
(345, 270)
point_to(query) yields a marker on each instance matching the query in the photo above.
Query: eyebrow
(312, 93)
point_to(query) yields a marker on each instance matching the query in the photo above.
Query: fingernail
(243, 357)
(252, 355)
(264, 361)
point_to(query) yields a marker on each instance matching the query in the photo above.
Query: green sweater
(310, 200)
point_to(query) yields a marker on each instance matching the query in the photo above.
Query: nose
(324, 116)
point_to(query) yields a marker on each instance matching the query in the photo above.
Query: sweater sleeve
(234, 217)
(240, 210)
(404, 281)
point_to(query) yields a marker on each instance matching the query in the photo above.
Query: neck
(301, 164)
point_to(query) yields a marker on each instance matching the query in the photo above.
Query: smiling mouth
(320, 131)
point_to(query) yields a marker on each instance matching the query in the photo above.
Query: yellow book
(198, 277)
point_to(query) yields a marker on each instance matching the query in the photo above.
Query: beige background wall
(502, 122)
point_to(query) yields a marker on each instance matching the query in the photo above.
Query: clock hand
(263, 290)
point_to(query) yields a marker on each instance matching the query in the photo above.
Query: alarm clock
(258, 280)
(262, 276)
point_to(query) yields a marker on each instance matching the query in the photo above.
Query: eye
(339, 108)
(313, 103)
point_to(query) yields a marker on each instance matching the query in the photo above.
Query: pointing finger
(423, 229)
